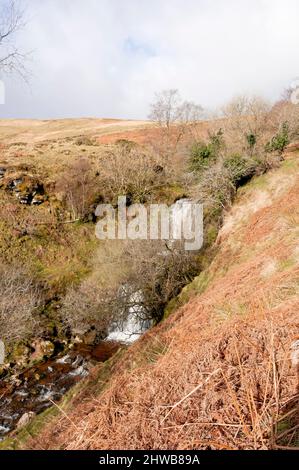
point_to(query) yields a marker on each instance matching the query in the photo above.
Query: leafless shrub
(77, 185)
(246, 118)
(216, 188)
(19, 300)
(130, 171)
(158, 273)
(285, 112)
(151, 274)
(87, 305)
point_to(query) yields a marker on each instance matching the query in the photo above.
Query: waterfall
(133, 326)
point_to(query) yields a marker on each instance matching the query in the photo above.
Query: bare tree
(174, 118)
(76, 185)
(158, 273)
(88, 305)
(166, 108)
(247, 123)
(11, 21)
(285, 112)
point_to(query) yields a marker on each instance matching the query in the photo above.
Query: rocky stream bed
(37, 388)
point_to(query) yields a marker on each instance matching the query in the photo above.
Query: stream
(35, 389)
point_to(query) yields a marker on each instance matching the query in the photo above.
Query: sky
(107, 58)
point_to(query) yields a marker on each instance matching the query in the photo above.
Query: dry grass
(50, 147)
(222, 372)
(232, 386)
(40, 131)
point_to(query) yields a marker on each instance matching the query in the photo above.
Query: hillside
(52, 145)
(149, 255)
(28, 130)
(222, 371)
(58, 282)
(213, 369)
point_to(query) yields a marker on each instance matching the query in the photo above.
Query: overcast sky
(106, 58)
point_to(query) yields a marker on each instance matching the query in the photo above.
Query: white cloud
(108, 57)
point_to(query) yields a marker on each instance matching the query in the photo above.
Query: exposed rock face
(27, 189)
(2, 172)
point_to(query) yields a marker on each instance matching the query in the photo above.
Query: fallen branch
(229, 425)
(190, 393)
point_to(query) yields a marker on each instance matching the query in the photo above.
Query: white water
(133, 327)
(181, 214)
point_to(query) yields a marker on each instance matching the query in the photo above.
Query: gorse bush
(251, 140)
(240, 168)
(203, 154)
(280, 140)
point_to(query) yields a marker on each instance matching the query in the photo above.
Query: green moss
(196, 287)
(58, 256)
(169, 193)
(258, 182)
(286, 264)
(211, 235)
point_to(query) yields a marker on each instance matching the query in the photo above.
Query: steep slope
(221, 372)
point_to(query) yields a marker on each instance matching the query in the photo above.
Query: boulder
(25, 420)
(37, 200)
(20, 355)
(24, 198)
(42, 349)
